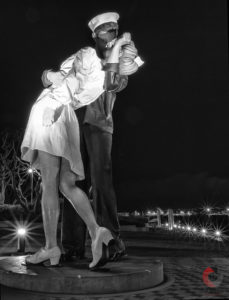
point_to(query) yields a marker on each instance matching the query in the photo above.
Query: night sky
(171, 139)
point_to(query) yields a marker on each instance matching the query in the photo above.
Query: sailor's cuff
(139, 61)
(111, 67)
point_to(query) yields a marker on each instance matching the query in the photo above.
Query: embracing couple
(52, 140)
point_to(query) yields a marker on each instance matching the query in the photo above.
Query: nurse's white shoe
(52, 255)
(99, 247)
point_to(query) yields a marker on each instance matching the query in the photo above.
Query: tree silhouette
(15, 175)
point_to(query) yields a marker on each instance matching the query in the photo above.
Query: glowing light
(166, 224)
(208, 209)
(30, 170)
(179, 226)
(175, 225)
(21, 231)
(188, 228)
(228, 209)
(136, 213)
(203, 231)
(194, 229)
(217, 233)
(183, 227)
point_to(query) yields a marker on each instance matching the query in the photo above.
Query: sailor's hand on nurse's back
(124, 39)
(48, 117)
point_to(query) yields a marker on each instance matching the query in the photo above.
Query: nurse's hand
(48, 117)
(124, 39)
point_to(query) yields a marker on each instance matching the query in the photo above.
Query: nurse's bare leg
(100, 236)
(50, 169)
(49, 166)
(77, 197)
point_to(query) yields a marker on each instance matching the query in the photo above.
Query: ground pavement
(187, 265)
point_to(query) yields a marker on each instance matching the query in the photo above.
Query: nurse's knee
(67, 181)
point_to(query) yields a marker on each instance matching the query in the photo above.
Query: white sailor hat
(103, 18)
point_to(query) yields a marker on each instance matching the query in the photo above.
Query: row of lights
(153, 213)
(207, 210)
(188, 228)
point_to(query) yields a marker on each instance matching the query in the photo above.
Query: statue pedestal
(20, 282)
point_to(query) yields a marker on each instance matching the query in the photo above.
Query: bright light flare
(203, 231)
(21, 231)
(30, 170)
(218, 233)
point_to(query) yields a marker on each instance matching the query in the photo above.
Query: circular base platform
(132, 274)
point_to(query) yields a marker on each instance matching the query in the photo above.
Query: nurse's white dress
(62, 137)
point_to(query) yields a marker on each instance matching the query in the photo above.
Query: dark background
(171, 140)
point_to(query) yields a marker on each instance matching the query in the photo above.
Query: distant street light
(21, 231)
(30, 170)
(217, 233)
(203, 231)
(21, 234)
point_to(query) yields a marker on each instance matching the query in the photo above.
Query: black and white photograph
(114, 150)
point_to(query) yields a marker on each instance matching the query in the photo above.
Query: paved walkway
(186, 261)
